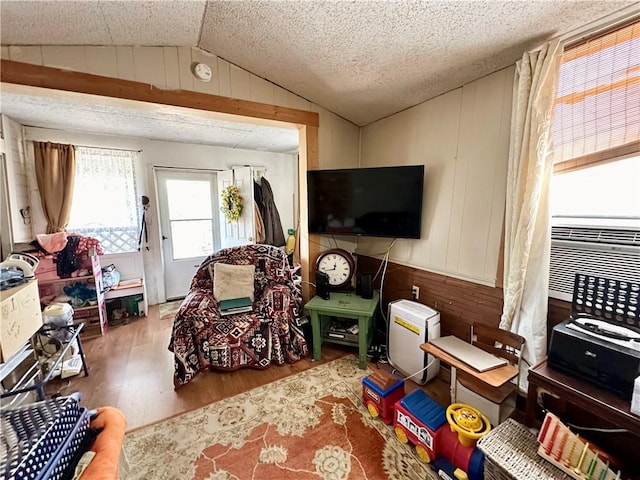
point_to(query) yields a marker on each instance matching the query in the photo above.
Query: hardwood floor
(130, 368)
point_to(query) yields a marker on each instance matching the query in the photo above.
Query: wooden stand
(343, 305)
(495, 377)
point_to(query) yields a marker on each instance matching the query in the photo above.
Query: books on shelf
(345, 330)
(235, 305)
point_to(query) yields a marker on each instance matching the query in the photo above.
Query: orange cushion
(107, 445)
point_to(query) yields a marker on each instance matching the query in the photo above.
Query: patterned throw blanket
(202, 339)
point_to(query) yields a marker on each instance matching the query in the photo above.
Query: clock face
(338, 266)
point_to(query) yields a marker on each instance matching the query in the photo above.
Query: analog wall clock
(338, 264)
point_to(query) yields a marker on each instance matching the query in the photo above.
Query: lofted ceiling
(363, 60)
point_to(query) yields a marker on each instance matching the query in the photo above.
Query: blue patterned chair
(204, 340)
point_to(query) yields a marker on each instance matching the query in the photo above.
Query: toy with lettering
(380, 392)
(445, 437)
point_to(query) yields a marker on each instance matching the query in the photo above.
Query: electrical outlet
(415, 292)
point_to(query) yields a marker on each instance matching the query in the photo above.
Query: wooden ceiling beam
(66, 80)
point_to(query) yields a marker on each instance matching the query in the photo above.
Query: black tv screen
(373, 202)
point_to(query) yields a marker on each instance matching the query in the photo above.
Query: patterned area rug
(306, 426)
(168, 310)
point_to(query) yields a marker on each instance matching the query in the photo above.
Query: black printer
(600, 341)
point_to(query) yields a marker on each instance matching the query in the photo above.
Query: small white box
(495, 412)
(410, 325)
(635, 399)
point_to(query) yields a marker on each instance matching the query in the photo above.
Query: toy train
(445, 438)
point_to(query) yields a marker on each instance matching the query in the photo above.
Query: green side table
(344, 305)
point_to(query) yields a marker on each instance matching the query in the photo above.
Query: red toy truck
(380, 392)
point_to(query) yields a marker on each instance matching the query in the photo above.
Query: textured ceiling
(367, 60)
(84, 113)
(363, 60)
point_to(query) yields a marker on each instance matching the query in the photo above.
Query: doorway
(59, 82)
(187, 202)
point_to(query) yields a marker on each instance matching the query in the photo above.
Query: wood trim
(461, 303)
(623, 32)
(597, 158)
(66, 80)
(308, 160)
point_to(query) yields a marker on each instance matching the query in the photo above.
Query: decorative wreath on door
(231, 203)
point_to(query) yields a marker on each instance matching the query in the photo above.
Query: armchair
(203, 339)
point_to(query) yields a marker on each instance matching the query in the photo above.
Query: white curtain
(105, 200)
(527, 240)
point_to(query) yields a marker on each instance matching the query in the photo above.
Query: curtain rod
(108, 148)
(87, 146)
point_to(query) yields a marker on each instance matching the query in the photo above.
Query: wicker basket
(511, 453)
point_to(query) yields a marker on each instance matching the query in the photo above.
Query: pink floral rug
(307, 426)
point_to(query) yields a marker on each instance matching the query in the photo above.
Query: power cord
(383, 267)
(416, 373)
(586, 429)
(601, 430)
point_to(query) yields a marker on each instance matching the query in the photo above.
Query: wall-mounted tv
(372, 202)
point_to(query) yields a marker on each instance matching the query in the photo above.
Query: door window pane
(189, 199)
(191, 238)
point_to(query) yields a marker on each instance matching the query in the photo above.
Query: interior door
(242, 231)
(188, 216)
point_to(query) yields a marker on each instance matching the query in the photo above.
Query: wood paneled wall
(462, 139)
(557, 313)
(459, 302)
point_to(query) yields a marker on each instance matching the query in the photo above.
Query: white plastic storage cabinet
(410, 325)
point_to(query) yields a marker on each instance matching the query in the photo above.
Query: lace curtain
(527, 239)
(105, 199)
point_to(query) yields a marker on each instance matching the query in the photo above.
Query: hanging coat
(271, 218)
(257, 197)
(259, 224)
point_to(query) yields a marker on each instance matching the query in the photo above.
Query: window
(104, 198)
(597, 107)
(595, 201)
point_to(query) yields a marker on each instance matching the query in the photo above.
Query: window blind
(597, 106)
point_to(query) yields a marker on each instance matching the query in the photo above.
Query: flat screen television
(372, 202)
